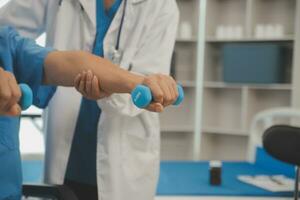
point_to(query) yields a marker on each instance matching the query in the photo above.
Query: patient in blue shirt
(25, 60)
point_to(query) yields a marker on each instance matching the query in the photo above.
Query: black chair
(283, 143)
(57, 192)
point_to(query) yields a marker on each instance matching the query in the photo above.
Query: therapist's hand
(88, 85)
(10, 94)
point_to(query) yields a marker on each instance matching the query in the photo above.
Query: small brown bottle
(215, 171)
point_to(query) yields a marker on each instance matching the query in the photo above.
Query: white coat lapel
(89, 7)
(116, 22)
(115, 25)
(111, 35)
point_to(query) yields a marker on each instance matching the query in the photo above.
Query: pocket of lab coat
(138, 159)
(140, 152)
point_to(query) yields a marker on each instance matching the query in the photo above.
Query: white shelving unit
(228, 109)
(213, 122)
(177, 123)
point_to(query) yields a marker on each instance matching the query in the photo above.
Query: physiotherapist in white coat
(128, 140)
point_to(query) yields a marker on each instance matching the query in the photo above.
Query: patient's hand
(88, 85)
(10, 94)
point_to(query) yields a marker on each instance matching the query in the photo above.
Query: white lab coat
(128, 143)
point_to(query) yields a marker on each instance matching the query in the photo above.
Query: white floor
(219, 198)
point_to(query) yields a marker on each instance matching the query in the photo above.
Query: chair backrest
(283, 143)
(266, 119)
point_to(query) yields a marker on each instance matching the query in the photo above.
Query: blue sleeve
(25, 59)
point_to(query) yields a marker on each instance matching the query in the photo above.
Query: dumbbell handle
(27, 96)
(142, 96)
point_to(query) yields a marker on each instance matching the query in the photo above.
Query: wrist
(133, 81)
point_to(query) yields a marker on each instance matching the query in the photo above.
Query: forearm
(61, 67)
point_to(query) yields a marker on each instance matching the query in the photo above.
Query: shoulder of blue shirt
(25, 59)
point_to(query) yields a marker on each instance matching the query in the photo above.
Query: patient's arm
(61, 68)
(88, 85)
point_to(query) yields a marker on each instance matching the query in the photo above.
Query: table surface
(186, 179)
(192, 179)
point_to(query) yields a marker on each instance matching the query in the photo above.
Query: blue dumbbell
(27, 96)
(142, 96)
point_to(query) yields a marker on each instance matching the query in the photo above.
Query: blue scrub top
(25, 60)
(82, 161)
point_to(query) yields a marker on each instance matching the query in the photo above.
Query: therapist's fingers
(96, 88)
(97, 93)
(88, 82)
(155, 107)
(77, 81)
(81, 87)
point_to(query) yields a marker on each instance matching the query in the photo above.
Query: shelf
(260, 100)
(282, 12)
(225, 131)
(225, 13)
(220, 85)
(222, 108)
(218, 40)
(177, 129)
(270, 87)
(180, 118)
(188, 22)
